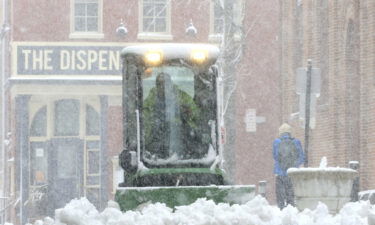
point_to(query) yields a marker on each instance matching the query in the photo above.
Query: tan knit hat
(285, 128)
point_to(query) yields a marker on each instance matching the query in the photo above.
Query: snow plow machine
(172, 124)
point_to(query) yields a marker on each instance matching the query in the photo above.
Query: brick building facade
(338, 37)
(258, 96)
(64, 60)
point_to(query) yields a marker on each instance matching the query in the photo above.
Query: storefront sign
(75, 59)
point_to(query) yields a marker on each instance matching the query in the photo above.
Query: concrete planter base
(331, 186)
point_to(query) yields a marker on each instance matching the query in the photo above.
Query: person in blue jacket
(287, 153)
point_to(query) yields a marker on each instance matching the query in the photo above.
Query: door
(65, 171)
(65, 153)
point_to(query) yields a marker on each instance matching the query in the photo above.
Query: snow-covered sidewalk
(204, 212)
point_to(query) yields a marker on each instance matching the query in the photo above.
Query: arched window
(39, 124)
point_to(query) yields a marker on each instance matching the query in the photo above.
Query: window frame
(144, 35)
(86, 34)
(238, 7)
(214, 36)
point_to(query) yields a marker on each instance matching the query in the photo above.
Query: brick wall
(258, 87)
(338, 37)
(41, 20)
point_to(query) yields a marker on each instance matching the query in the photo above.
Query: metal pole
(3, 169)
(307, 111)
(355, 188)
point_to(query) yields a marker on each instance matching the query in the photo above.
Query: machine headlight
(153, 58)
(199, 56)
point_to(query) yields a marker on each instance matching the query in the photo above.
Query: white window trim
(167, 36)
(215, 37)
(154, 36)
(90, 35)
(115, 168)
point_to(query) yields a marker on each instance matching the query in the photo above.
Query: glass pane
(218, 11)
(160, 25)
(92, 9)
(94, 163)
(39, 124)
(174, 125)
(92, 121)
(79, 9)
(39, 163)
(93, 145)
(219, 26)
(93, 180)
(148, 10)
(66, 118)
(160, 10)
(66, 163)
(148, 25)
(92, 24)
(80, 24)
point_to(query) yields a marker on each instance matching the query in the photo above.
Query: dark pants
(284, 191)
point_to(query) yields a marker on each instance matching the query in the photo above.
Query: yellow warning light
(153, 58)
(199, 56)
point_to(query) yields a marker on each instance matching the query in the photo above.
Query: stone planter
(331, 186)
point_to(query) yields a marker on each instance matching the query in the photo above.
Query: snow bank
(205, 212)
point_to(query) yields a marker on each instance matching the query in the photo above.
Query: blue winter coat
(276, 143)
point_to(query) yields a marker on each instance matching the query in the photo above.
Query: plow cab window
(175, 128)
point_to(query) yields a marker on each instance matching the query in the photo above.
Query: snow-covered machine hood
(172, 50)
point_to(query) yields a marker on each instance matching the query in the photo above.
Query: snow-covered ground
(204, 212)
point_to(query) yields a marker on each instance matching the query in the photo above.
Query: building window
(218, 18)
(216, 21)
(39, 163)
(155, 19)
(155, 16)
(39, 123)
(86, 19)
(86, 16)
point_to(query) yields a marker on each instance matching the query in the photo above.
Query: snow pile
(255, 212)
(79, 212)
